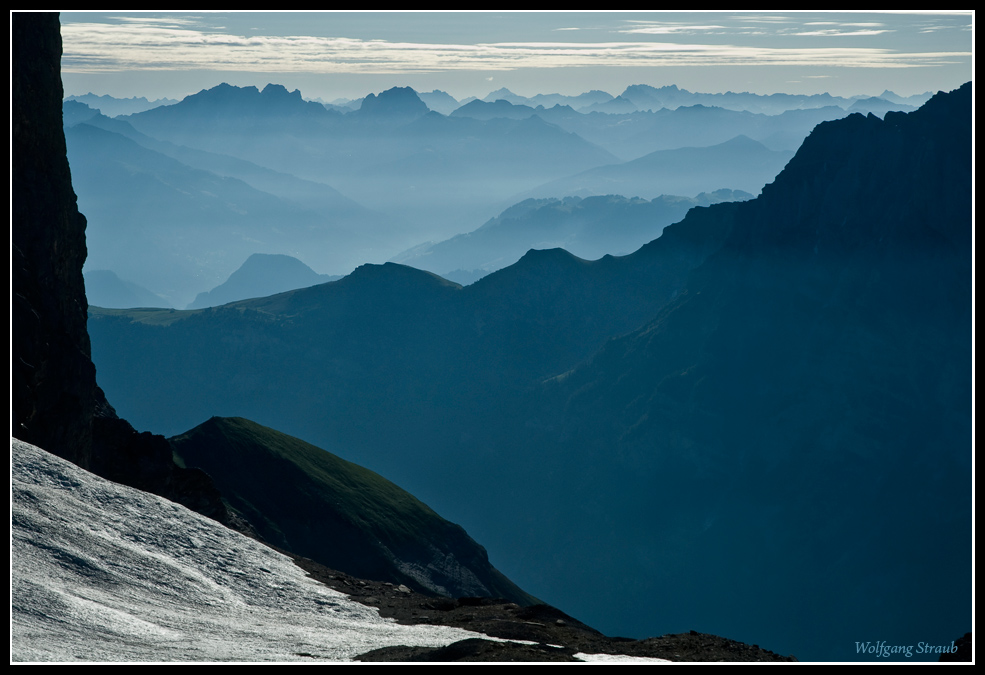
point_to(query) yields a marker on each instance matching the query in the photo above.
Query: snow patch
(102, 572)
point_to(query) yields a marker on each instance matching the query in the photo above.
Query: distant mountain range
(175, 229)
(341, 187)
(262, 274)
(105, 289)
(739, 164)
(746, 417)
(634, 98)
(75, 550)
(427, 171)
(742, 424)
(589, 228)
(112, 106)
(629, 133)
(640, 97)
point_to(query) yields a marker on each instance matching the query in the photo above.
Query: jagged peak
(280, 91)
(502, 92)
(394, 102)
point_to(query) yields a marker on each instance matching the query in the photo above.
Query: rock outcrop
(55, 401)
(54, 382)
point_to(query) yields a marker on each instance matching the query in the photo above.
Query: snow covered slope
(102, 572)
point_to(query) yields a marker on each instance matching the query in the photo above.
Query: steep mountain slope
(309, 501)
(762, 449)
(103, 573)
(810, 394)
(51, 372)
(55, 400)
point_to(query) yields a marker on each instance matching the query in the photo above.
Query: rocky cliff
(54, 382)
(55, 401)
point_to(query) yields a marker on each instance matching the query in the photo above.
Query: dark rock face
(548, 634)
(963, 651)
(55, 402)
(54, 381)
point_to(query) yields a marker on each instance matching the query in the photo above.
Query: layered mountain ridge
(341, 189)
(776, 343)
(748, 418)
(57, 405)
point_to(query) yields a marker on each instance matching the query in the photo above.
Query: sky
(346, 55)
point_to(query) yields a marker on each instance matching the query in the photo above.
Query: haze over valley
(620, 349)
(233, 171)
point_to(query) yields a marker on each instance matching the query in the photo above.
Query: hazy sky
(349, 54)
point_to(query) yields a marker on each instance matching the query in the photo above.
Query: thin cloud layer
(176, 44)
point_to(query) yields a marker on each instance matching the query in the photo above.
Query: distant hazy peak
(280, 91)
(111, 106)
(501, 93)
(645, 88)
(394, 102)
(273, 97)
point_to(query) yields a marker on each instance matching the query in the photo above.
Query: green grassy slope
(307, 500)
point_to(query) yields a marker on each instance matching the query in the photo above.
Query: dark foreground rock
(964, 653)
(554, 636)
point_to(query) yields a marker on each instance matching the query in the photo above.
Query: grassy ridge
(318, 505)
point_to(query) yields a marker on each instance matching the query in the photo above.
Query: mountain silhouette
(589, 228)
(813, 375)
(439, 101)
(397, 103)
(112, 106)
(738, 164)
(57, 404)
(631, 135)
(105, 289)
(262, 274)
(309, 501)
(195, 225)
(745, 417)
(485, 110)
(426, 172)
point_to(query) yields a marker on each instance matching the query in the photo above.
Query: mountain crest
(278, 92)
(230, 100)
(394, 103)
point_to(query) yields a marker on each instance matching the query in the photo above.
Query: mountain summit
(398, 103)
